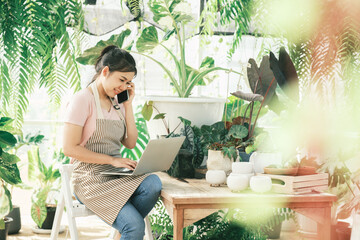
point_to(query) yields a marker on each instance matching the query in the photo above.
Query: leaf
(38, 212)
(159, 116)
(5, 201)
(90, 55)
(10, 173)
(148, 39)
(168, 34)
(7, 138)
(147, 110)
(207, 62)
(186, 122)
(261, 79)
(5, 121)
(238, 131)
(251, 97)
(9, 158)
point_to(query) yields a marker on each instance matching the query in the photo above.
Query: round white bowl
(215, 177)
(237, 182)
(242, 167)
(260, 184)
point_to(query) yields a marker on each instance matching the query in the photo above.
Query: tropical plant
(169, 14)
(143, 139)
(47, 180)
(9, 172)
(38, 48)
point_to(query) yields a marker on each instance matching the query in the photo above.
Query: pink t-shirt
(81, 111)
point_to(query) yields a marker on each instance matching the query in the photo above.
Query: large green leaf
(147, 110)
(238, 131)
(5, 202)
(9, 158)
(5, 121)
(148, 39)
(7, 138)
(90, 55)
(38, 212)
(10, 173)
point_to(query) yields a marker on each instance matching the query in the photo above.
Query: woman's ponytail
(116, 59)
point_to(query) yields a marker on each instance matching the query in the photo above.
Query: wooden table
(190, 201)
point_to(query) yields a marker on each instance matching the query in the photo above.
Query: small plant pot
(4, 232)
(217, 161)
(237, 182)
(215, 177)
(260, 184)
(15, 225)
(343, 232)
(242, 167)
(49, 220)
(281, 171)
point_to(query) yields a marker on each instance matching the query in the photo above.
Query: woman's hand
(123, 163)
(131, 89)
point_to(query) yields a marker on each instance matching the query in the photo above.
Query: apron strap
(117, 108)
(97, 101)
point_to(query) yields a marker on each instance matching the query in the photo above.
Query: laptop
(158, 156)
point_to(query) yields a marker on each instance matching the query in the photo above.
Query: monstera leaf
(285, 74)
(90, 55)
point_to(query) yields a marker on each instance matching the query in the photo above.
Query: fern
(36, 49)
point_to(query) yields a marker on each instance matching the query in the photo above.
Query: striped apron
(104, 195)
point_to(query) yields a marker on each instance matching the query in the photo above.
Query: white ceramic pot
(199, 110)
(260, 184)
(242, 167)
(261, 160)
(217, 161)
(237, 182)
(215, 177)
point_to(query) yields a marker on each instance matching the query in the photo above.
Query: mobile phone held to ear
(123, 96)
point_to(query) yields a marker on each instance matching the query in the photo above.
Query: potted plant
(9, 172)
(174, 20)
(47, 179)
(28, 139)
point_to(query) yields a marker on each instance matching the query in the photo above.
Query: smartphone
(123, 96)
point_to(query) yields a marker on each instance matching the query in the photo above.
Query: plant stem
(262, 103)
(166, 126)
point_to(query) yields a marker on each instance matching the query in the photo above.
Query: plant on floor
(37, 48)
(47, 180)
(9, 172)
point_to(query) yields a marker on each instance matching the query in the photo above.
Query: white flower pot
(260, 184)
(261, 160)
(242, 167)
(237, 182)
(217, 161)
(215, 177)
(199, 111)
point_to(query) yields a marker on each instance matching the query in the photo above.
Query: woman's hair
(116, 59)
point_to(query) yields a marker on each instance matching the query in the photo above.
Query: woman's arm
(72, 148)
(132, 133)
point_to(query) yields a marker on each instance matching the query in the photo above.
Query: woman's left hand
(131, 90)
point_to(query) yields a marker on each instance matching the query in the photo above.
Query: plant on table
(9, 171)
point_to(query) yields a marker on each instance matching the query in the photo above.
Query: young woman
(95, 127)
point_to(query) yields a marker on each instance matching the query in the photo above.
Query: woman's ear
(105, 71)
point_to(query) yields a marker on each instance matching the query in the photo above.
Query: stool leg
(148, 232)
(57, 219)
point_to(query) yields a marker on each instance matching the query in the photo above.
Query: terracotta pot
(281, 171)
(306, 170)
(343, 231)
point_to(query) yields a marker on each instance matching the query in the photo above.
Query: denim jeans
(130, 220)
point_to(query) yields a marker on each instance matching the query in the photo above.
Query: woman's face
(116, 82)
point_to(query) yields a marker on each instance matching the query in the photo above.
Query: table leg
(324, 228)
(178, 221)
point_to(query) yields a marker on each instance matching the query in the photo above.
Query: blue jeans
(130, 220)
